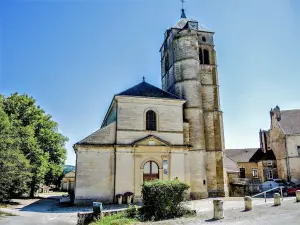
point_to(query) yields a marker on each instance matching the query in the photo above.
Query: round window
(203, 39)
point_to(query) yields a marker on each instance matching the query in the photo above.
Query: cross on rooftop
(182, 9)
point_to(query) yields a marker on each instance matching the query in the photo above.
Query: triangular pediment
(151, 140)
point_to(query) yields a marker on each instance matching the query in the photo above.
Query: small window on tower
(201, 55)
(206, 56)
(203, 39)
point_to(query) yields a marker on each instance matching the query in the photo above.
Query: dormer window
(151, 120)
(193, 25)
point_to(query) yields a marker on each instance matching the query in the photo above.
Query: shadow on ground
(40, 206)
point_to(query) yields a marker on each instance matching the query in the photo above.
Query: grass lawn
(2, 214)
(115, 219)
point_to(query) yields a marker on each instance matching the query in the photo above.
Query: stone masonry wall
(198, 84)
(94, 175)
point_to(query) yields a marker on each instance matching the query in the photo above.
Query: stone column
(248, 203)
(277, 199)
(160, 171)
(218, 209)
(298, 196)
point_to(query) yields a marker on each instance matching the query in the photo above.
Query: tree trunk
(32, 192)
(32, 188)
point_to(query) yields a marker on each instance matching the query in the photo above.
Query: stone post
(277, 199)
(248, 203)
(218, 209)
(298, 196)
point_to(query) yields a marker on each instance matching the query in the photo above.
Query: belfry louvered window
(150, 120)
(204, 56)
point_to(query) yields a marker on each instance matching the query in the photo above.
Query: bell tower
(189, 70)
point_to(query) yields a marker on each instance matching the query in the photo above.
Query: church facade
(151, 133)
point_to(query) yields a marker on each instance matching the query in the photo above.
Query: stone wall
(132, 119)
(293, 157)
(198, 84)
(94, 174)
(248, 168)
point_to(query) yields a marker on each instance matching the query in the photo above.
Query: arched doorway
(150, 171)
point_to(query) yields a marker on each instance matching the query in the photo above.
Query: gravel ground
(262, 214)
(47, 211)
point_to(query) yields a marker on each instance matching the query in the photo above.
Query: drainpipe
(115, 152)
(287, 160)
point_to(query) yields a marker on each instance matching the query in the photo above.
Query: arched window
(150, 171)
(150, 120)
(206, 56)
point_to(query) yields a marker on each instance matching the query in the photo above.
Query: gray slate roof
(290, 121)
(241, 155)
(182, 22)
(230, 165)
(145, 89)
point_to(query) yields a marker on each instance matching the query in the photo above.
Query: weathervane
(143, 79)
(182, 9)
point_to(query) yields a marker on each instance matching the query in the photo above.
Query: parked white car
(65, 199)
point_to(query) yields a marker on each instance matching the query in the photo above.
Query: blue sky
(72, 56)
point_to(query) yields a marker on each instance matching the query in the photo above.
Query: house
(283, 138)
(254, 163)
(248, 167)
(255, 167)
(67, 183)
(151, 133)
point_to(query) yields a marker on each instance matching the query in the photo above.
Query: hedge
(161, 199)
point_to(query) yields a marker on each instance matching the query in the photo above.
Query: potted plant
(128, 196)
(119, 197)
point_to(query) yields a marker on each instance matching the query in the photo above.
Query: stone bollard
(248, 203)
(218, 209)
(298, 196)
(277, 199)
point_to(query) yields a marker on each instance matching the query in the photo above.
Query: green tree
(14, 167)
(38, 138)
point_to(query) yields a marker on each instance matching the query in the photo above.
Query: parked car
(65, 199)
(268, 185)
(291, 190)
(281, 182)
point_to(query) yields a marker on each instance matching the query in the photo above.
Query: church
(160, 133)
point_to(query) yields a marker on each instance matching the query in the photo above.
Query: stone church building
(151, 133)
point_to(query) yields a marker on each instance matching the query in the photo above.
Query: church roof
(230, 165)
(145, 89)
(183, 21)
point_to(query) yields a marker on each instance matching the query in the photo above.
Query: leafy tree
(38, 139)
(14, 167)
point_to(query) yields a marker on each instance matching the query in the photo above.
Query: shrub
(161, 199)
(132, 212)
